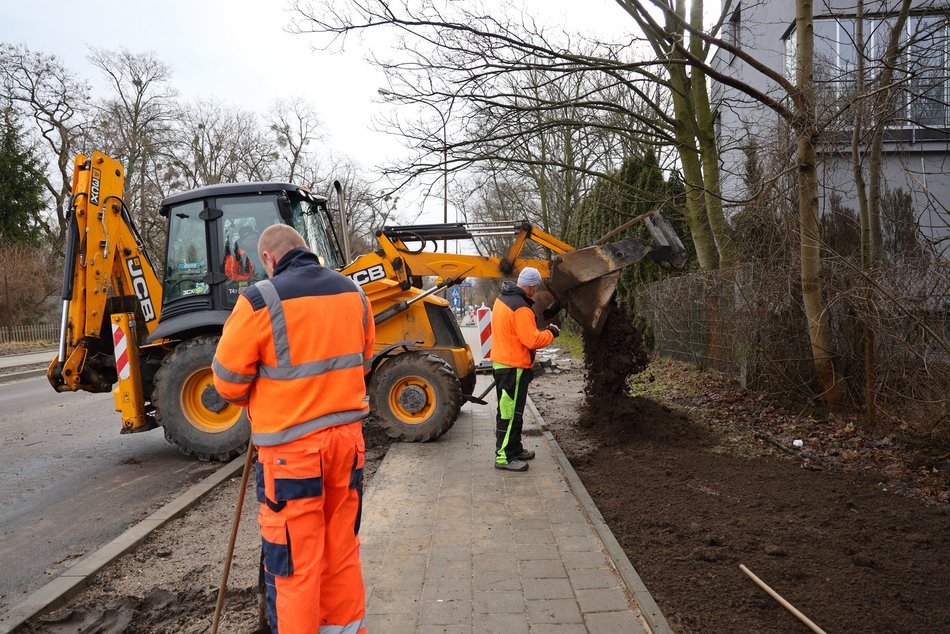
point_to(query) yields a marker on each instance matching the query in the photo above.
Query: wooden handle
(222, 589)
(785, 604)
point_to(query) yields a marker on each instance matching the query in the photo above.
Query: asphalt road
(70, 483)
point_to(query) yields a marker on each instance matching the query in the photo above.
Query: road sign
(456, 293)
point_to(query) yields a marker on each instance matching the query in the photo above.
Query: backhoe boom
(106, 274)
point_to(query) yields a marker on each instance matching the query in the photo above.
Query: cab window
(187, 264)
(245, 217)
(310, 219)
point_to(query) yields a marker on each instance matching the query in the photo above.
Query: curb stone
(648, 608)
(26, 374)
(78, 576)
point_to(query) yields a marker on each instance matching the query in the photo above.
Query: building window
(923, 66)
(732, 30)
(791, 59)
(927, 73)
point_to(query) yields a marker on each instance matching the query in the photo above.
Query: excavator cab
(211, 255)
(210, 259)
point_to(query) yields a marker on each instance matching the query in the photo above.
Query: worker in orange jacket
(515, 337)
(239, 265)
(294, 352)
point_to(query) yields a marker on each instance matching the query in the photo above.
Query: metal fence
(29, 334)
(749, 322)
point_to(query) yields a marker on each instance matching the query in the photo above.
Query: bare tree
(57, 103)
(134, 126)
(213, 144)
(490, 47)
(559, 110)
(296, 128)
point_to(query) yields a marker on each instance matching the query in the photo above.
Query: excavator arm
(111, 295)
(582, 280)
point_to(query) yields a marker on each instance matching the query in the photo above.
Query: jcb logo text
(371, 274)
(141, 288)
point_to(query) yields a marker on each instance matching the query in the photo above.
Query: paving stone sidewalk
(450, 544)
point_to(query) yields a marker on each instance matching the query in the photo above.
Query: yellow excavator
(149, 335)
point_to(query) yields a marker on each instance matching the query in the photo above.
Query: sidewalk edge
(26, 374)
(648, 607)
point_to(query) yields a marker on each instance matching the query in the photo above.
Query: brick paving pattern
(450, 544)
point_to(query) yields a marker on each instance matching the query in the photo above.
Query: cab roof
(237, 189)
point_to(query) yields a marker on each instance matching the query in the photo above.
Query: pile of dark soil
(610, 358)
(688, 505)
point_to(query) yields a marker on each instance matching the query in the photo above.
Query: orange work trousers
(311, 494)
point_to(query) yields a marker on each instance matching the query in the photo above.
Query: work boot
(514, 465)
(526, 454)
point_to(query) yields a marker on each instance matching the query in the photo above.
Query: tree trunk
(857, 166)
(706, 136)
(857, 160)
(696, 218)
(684, 133)
(819, 330)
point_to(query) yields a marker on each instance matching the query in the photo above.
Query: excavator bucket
(584, 281)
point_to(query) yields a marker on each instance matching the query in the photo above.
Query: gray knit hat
(529, 276)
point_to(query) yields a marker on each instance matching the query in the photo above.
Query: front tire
(194, 415)
(415, 396)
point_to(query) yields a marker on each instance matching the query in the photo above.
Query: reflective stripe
(367, 354)
(312, 368)
(237, 400)
(365, 308)
(278, 322)
(230, 376)
(349, 628)
(302, 429)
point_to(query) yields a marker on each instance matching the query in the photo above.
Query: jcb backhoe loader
(155, 336)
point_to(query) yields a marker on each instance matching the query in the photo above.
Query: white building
(917, 140)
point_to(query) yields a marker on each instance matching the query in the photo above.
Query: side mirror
(285, 210)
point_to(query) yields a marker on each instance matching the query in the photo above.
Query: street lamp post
(445, 160)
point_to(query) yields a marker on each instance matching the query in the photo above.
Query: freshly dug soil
(689, 502)
(610, 358)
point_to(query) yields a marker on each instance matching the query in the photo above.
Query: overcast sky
(238, 51)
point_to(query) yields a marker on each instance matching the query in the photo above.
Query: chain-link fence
(749, 322)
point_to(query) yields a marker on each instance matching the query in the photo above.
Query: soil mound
(609, 359)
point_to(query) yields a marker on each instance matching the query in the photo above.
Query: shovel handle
(222, 589)
(487, 390)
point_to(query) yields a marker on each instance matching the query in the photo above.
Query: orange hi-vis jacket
(295, 350)
(514, 330)
(238, 268)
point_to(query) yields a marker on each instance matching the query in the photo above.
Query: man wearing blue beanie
(515, 338)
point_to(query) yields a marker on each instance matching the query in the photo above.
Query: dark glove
(554, 329)
(551, 310)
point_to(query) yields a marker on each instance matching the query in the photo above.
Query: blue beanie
(529, 276)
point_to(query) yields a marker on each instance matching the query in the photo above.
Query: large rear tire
(194, 415)
(415, 396)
